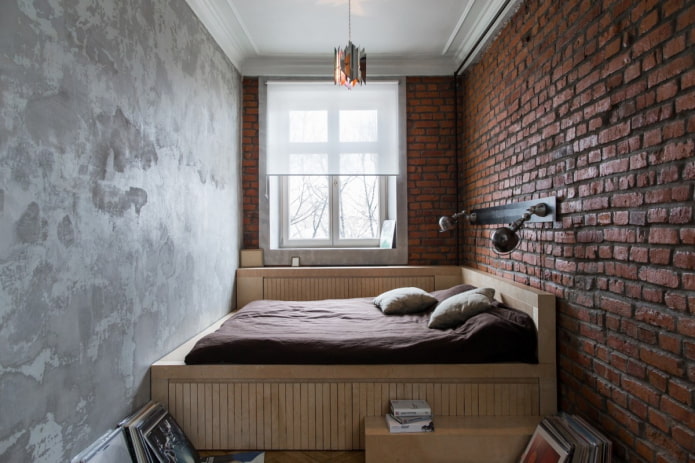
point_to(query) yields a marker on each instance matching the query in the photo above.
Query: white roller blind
(322, 129)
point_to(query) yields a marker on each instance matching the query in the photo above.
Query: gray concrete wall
(119, 200)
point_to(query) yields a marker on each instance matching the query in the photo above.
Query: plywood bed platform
(322, 407)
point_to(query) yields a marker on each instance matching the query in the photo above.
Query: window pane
(359, 207)
(358, 163)
(309, 164)
(308, 126)
(308, 211)
(358, 126)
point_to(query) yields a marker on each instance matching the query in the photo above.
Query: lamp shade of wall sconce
(505, 239)
(447, 223)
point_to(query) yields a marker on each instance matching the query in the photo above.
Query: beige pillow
(455, 310)
(404, 300)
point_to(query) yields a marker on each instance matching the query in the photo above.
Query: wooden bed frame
(323, 407)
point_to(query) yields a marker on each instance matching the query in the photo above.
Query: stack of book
(567, 438)
(410, 416)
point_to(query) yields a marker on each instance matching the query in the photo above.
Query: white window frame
(276, 251)
(334, 240)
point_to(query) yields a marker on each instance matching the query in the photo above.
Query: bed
(322, 406)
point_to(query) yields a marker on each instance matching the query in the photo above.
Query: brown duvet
(354, 331)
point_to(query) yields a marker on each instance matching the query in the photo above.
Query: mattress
(355, 331)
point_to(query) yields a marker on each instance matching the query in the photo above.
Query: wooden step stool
(455, 439)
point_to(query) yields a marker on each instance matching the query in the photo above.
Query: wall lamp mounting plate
(505, 239)
(508, 213)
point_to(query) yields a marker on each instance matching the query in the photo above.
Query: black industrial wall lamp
(505, 239)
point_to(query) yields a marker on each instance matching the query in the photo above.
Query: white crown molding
(323, 66)
(480, 35)
(459, 24)
(222, 22)
(228, 30)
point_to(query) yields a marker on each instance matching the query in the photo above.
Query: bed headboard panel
(540, 305)
(315, 283)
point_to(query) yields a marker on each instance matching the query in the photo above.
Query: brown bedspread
(354, 331)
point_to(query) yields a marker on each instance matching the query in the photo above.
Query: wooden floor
(306, 456)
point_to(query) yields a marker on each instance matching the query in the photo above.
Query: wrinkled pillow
(404, 300)
(455, 310)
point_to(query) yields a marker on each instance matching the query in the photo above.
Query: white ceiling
(401, 37)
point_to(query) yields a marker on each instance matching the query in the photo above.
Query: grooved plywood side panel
(322, 415)
(308, 289)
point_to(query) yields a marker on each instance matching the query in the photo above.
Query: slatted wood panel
(311, 289)
(325, 415)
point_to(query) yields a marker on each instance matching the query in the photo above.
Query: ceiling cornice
(323, 66)
(468, 39)
(459, 25)
(492, 20)
(222, 22)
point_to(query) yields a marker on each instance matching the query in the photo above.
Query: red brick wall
(249, 163)
(594, 102)
(432, 170)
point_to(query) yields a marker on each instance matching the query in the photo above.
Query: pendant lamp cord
(349, 21)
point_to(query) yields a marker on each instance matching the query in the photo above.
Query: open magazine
(112, 447)
(168, 442)
(565, 438)
(152, 435)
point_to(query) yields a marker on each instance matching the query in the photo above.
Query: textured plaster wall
(119, 237)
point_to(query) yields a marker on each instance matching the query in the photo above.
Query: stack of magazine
(567, 438)
(410, 416)
(151, 435)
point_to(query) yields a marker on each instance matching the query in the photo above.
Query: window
(331, 167)
(321, 210)
(332, 211)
